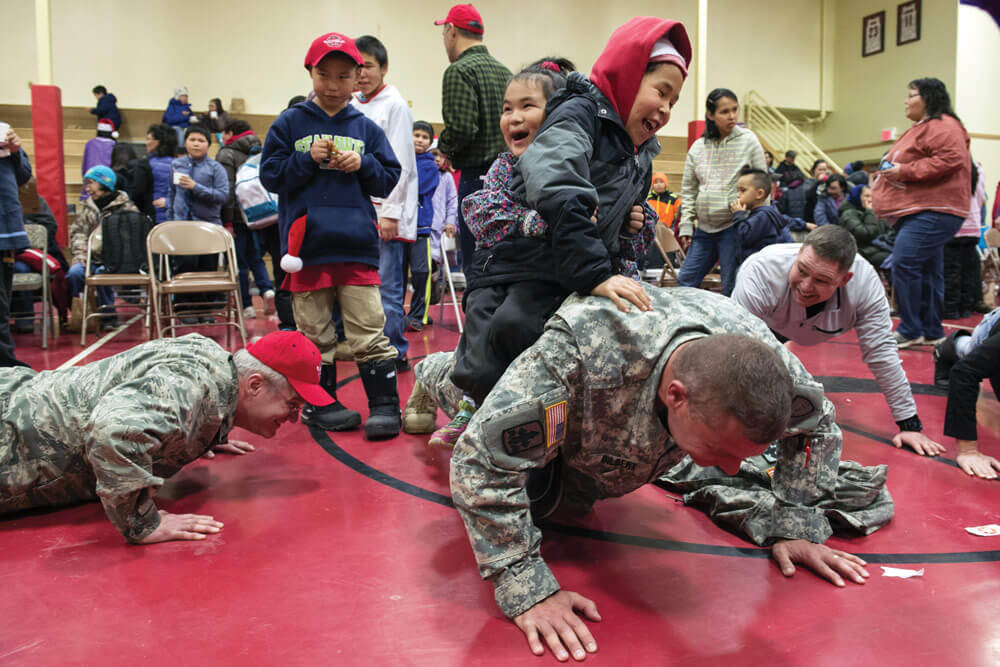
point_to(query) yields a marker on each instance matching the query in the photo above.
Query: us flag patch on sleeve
(555, 424)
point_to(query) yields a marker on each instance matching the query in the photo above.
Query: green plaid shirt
(471, 101)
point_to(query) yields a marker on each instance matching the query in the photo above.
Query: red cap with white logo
(330, 42)
(297, 358)
(465, 17)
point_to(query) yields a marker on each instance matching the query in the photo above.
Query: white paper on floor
(900, 572)
(989, 530)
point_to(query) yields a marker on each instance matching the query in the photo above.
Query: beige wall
(253, 49)
(869, 92)
(776, 53)
(977, 95)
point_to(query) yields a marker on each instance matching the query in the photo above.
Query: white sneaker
(249, 313)
(269, 302)
(902, 342)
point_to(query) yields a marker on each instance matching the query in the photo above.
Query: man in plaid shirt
(471, 101)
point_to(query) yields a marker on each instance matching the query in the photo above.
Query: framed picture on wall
(907, 22)
(873, 34)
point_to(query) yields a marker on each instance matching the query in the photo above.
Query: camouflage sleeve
(507, 439)
(134, 424)
(808, 460)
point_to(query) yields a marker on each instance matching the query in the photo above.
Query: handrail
(779, 134)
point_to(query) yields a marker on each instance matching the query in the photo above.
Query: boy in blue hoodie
(326, 161)
(759, 224)
(418, 260)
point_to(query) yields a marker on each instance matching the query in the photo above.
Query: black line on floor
(835, 384)
(337, 452)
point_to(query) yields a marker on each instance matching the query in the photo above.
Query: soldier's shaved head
(730, 375)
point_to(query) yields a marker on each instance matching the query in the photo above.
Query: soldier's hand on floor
(232, 447)
(636, 220)
(828, 563)
(976, 464)
(621, 289)
(182, 527)
(918, 442)
(555, 620)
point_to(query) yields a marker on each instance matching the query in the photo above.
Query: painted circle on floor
(831, 384)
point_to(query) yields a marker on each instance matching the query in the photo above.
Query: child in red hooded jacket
(594, 151)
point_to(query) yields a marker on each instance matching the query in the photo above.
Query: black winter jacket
(581, 159)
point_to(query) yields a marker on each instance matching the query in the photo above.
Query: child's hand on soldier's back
(636, 220)
(347, 161)
(621, 289)
(321, 150)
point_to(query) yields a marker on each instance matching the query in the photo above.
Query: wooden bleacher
(79, 126)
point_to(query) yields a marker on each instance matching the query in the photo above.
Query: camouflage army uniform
(586, 393)
(113, 429)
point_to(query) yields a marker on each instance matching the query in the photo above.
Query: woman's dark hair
(547, 73)
(237, 127)
(121, 155)
(975, 175)
(218, 105)
(167, 138)
(812, 172)
(99, 89)
(769, 154)
(711, 104)
(837, 178)
(198, 129)
(295, 100)
(935, 96)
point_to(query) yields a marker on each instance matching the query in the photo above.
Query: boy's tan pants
(364, 321)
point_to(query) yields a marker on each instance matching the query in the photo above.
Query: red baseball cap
(330, 42)
(297, 358)
(465, 17)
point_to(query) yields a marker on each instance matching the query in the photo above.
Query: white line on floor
(101, 341)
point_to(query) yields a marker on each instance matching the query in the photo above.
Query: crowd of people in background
(527, 176)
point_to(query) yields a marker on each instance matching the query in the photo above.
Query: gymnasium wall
(805, 57)
(975, 96)
(253, 49)
(870, 91)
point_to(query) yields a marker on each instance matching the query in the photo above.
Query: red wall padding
(50, 161)
(696, 128)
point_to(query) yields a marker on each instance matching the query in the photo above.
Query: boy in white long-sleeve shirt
(397, 213)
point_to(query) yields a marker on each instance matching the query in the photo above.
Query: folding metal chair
(133, 282)
(448, 243)
(193, 237)
(38, 238)
(667, 242)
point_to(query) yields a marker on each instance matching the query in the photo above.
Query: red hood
(621, 65)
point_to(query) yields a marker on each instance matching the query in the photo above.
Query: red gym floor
(337, 551)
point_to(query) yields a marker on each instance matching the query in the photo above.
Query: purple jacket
(97, 152)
